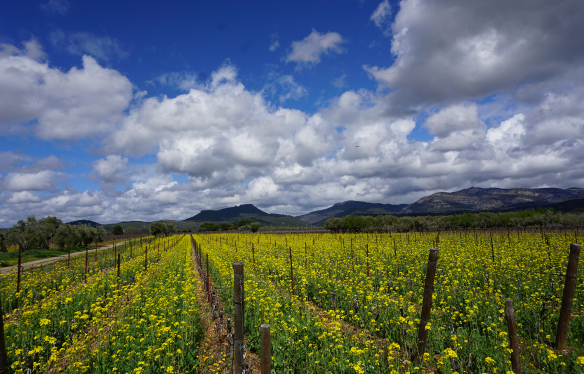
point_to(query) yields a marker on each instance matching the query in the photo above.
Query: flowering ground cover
(374, 284)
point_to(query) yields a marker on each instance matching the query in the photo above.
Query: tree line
(539, 217)
(38, 233)
(243, 225)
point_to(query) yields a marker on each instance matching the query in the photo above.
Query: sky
(139, 110)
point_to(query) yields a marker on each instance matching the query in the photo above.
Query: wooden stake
(146, 259)
(513, 342)
(86, 258)
(119, 261)
(367, 260)
(291, 271)
(238, 311)
(568, 296)
(68, 255)
(426, 304)
(208, 293)
(266, 350)
(18, 276)
(3, 356)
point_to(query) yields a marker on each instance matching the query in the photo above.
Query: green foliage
(118, 230)
(224, 226)
(244, 222)
(158, 228)
(483, 220)
(208, 226)
(254, 226)
(334, 224)
(66, 235)
(170, 228)
(355, 223)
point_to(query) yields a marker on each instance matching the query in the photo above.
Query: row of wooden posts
(238, 302)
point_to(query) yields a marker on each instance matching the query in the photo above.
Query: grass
(11, 257)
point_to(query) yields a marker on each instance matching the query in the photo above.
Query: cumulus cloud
(308, 51)
(102, 48)
(233, 145)
(381, 16)
(110, 169)
(451, 51)
(61, 105)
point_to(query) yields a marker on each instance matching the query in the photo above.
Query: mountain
(350, 207)
(492, 199)
(245, 211)
(474, 199)
(84, 222)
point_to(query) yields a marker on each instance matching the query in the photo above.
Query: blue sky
(141, 111)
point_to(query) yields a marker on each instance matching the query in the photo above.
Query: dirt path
(45, 261)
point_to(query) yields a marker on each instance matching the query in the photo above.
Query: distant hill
(244, 211)
(359, 208)
(492, 199)
(84, 222)
(474, 199)
(570, 206)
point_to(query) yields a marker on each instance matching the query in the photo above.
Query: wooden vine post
(18, 276)
(146, 259)
(266, 349)
(119, 261)
(86, 258)
(238, 311)
(253, 254)
(3, 356)
(291, 271)
(68, 255)
(367, 260)
(426, 304)
(513, 342)
(208, 292)
(568, 295)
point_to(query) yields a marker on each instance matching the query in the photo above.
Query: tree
(66, 235)
(3, 247)
(100, 234)
(355, 223)
(26, 234)
(224, 226)
(334, 224)
(208, 226)
(170, 228)
(48, 227)
(158, 228)
(118, 230)
(254, 227)
(86, 234)
(245, 222)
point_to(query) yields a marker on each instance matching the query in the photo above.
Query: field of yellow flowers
(144, 321)
(350, 303)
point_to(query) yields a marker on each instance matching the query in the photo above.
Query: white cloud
(274, 44)
(292, 89)
(70, 105)
(451, 51)
(340, 81)
(23, 197)
(102, 48)
(111, 169)
(309, 50)
(39, 181)
(56, 6)
(381, 16)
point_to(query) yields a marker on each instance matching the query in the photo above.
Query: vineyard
(352, 303)
(346, 303)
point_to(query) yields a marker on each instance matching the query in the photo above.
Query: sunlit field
(350, 303)
(336, 303)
